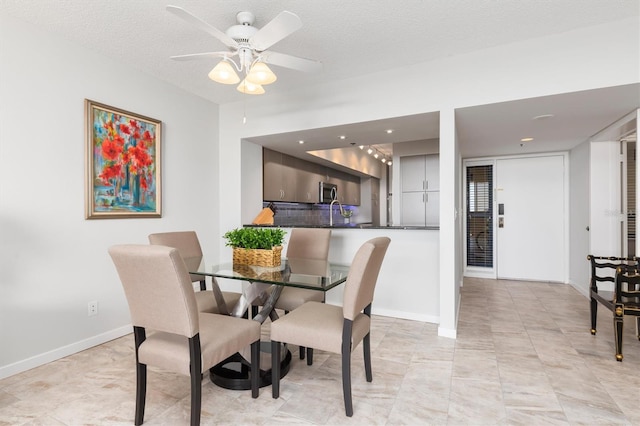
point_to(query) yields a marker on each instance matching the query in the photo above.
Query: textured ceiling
(352, 38)
(349, 37)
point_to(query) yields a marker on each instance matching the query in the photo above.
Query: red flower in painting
(125, 129)
(111, 149)
(110, 172)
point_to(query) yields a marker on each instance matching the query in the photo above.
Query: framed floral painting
(123, 150)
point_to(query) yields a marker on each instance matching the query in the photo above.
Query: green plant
(255, 238)
(346, 213)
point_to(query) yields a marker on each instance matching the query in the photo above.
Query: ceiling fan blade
(200, 24)
(292, 62)
(280, 27)
(204, 55)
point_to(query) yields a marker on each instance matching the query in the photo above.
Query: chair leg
(275, 369)
(309, 356)
(301, 349)
(255, 369)
(618, 316)
(346, 366)
(594, 315)
(141, 377)
(203, 285)
(366, 347)
(195, 356)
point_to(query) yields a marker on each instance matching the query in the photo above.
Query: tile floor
(524, 356)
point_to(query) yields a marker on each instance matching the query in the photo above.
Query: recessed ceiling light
(389, 131)
(542, 117)
(300, 142)
(343, 137)
(361, 146)
(526, 139)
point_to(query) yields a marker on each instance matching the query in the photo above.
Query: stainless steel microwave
(328, 192)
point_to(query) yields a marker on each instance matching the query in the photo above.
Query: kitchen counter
(350, 226)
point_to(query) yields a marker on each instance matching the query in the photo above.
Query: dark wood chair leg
(618, 316)
(255, 369)
(309, 356)
(594, 315)
(301, 349)
(195, 356)
(366, 347)
(275, 369)
(346, 366)
(141, 377)
(203, 285)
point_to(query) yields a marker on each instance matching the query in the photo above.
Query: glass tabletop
(302, 273)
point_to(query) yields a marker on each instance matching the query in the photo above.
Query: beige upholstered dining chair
(188, 245)
(161, 299)
(304, 243)
(333, 328)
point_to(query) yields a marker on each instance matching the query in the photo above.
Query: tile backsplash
(308, 214)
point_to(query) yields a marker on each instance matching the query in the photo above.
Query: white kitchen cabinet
(420, 173)
(420, 208)
(420, 184)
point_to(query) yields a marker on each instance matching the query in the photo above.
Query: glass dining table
(265, 284)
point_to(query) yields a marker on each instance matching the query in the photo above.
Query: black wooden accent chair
(606, 270)
(336, 329)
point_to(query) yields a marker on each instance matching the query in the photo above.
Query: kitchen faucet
(331, 210)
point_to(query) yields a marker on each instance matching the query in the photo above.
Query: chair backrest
(363, 275)
(186, 242)
(158, 288)
(309, 243)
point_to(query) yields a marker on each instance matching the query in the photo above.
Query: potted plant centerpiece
(256, 246)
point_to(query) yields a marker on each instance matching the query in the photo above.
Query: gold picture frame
(123, 163)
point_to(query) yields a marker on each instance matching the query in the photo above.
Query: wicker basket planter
(258, 257)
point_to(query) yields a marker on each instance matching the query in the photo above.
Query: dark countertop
(351, 226)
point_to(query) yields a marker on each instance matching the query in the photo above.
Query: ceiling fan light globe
(249, 88)
(261, 74)
(224, 73)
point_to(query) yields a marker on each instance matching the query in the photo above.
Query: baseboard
(447, 332)
(405, 315)
(47, 357)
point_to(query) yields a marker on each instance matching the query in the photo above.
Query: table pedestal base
(234, 372)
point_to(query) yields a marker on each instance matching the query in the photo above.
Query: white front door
(530, 232)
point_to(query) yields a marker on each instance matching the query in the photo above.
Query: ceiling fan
(250, 45)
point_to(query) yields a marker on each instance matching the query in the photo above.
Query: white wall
(579, 214)
(52, 260)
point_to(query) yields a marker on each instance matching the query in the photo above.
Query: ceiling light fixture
(342, 137)
(389, 131)
(361, 146)
(257, 74)
(369, 151)
(526, 139)
(300, 142)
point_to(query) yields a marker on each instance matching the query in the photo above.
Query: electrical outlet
(92, 308)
